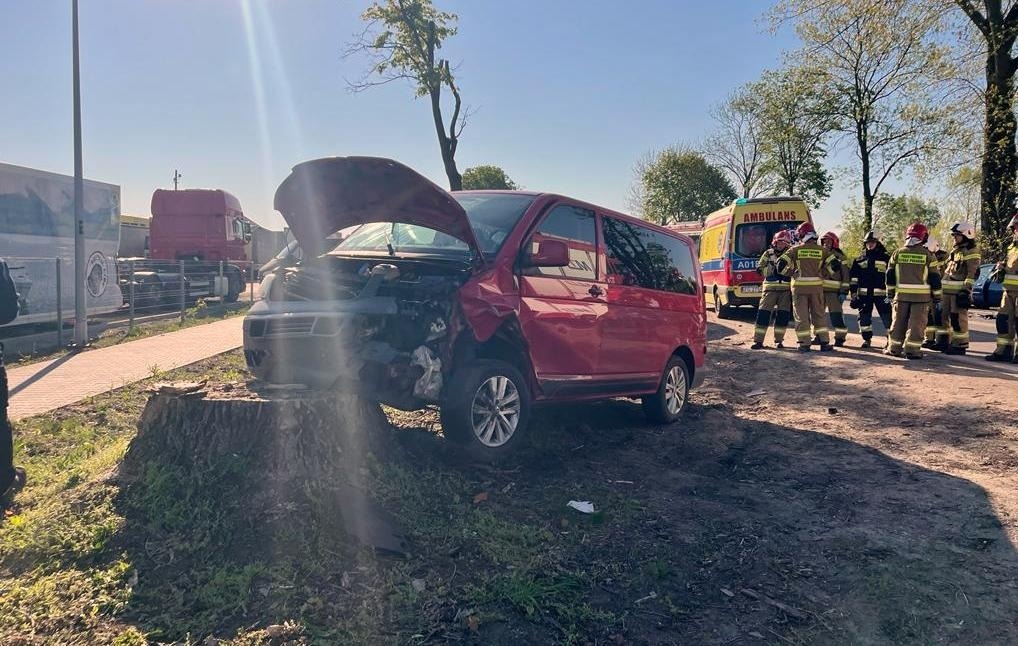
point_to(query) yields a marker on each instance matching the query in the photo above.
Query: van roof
(604, 210)
(767, 200)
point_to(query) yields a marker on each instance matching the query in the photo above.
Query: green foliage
(680, 185)
(895, 89)
(487, 177)
(892, 214)
(408, 33)
(797, 116)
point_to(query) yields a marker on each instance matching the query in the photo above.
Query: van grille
(289, 326)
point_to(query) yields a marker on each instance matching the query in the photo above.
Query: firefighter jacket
(913, 275)
(835, 271)
(1010, 273)
(960, 271)
(867, 272)
(804, 263)
(773, 280)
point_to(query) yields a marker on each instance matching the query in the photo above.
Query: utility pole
(80, 314)
(176, 179)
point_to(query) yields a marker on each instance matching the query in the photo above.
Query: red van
(482, 302)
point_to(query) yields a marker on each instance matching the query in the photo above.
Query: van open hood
(323, 196)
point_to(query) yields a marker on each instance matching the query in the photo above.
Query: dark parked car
(985, 292)
(482, 302)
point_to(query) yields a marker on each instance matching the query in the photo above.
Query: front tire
(666, 405)
(723, 310)
(487, 409)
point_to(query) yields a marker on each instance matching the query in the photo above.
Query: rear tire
(487, 409)
(666, 405)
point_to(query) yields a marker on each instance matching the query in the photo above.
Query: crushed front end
(379, 328)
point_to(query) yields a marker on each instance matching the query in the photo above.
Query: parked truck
(204, 228)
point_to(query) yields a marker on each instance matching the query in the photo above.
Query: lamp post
(80, 316)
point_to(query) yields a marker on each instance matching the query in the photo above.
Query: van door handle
(595, 291)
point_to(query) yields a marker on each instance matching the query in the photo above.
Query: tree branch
(977, 18)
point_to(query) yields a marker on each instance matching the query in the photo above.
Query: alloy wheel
(495, 411)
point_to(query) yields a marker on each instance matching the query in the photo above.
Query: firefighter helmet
(1014, 222)
(833, 238)
(963, 229)
(918, 231)
(785, 235)
(805, 231)
(871, 236)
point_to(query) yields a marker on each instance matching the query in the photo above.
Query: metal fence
(123, 293)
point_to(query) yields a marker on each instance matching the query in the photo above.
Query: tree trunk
(1000, 162)
(867, 194)
(305, 453)
(445, 144)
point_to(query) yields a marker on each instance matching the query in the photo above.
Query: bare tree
(402, 39)
(891, 77)
(735, 146)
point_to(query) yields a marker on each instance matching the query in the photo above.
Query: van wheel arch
(506, 344)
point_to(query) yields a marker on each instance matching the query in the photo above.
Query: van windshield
(751, 240)
(492, 217)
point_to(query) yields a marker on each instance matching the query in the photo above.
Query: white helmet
(933, 245)
(963, 229)
(1014, 221)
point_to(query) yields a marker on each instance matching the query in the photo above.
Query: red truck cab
(197, 224)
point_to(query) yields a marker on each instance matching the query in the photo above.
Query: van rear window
(751, 240)
(641, 257)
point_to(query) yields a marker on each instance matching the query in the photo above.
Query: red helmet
(918, 231)
(785, 235)
(805, 229)
(833, 237)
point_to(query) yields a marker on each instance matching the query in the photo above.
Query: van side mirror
(550, 253)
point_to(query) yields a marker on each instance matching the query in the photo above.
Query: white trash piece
(429, 385)
(582, 506)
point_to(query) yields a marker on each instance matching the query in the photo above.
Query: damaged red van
(481, 302)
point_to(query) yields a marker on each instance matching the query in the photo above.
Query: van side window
(576, 227)
(641, 257)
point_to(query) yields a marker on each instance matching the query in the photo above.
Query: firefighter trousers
(1007, 324)
(775, 305)
(809, 310)
(832, 301)
(936, 328)
(866, 305)
(907, 327)
(955, 323)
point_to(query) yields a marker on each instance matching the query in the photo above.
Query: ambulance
(732, 241)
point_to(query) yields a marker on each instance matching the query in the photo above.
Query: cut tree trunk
(292, 451)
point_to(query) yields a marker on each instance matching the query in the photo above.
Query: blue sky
(567, 94)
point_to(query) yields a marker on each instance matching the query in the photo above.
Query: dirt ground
(858, 499)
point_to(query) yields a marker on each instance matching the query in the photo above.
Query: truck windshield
(492, 217)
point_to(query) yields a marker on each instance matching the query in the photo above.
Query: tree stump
(293, 453)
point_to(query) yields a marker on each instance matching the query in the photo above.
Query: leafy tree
(402, 40)
(736, 144)
(680, 185)
(796, 118)
(893, 213)
(997, 25)
(892, 81)
(487, 177)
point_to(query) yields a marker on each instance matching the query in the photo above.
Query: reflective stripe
(971, 256)
(1010, 280)
(855, 281)
(802, 335)
(776, 287)
(1003, 341)
(880, 264)
(832, 284)
(807, 282)
(865, 328)
(821, 330)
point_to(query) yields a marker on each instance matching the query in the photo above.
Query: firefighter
(868, 287)
(1007, 316)
(804, 263)
(913, 282)
(937, 334)
(958, 276)
(776, 301)
(836, 284)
